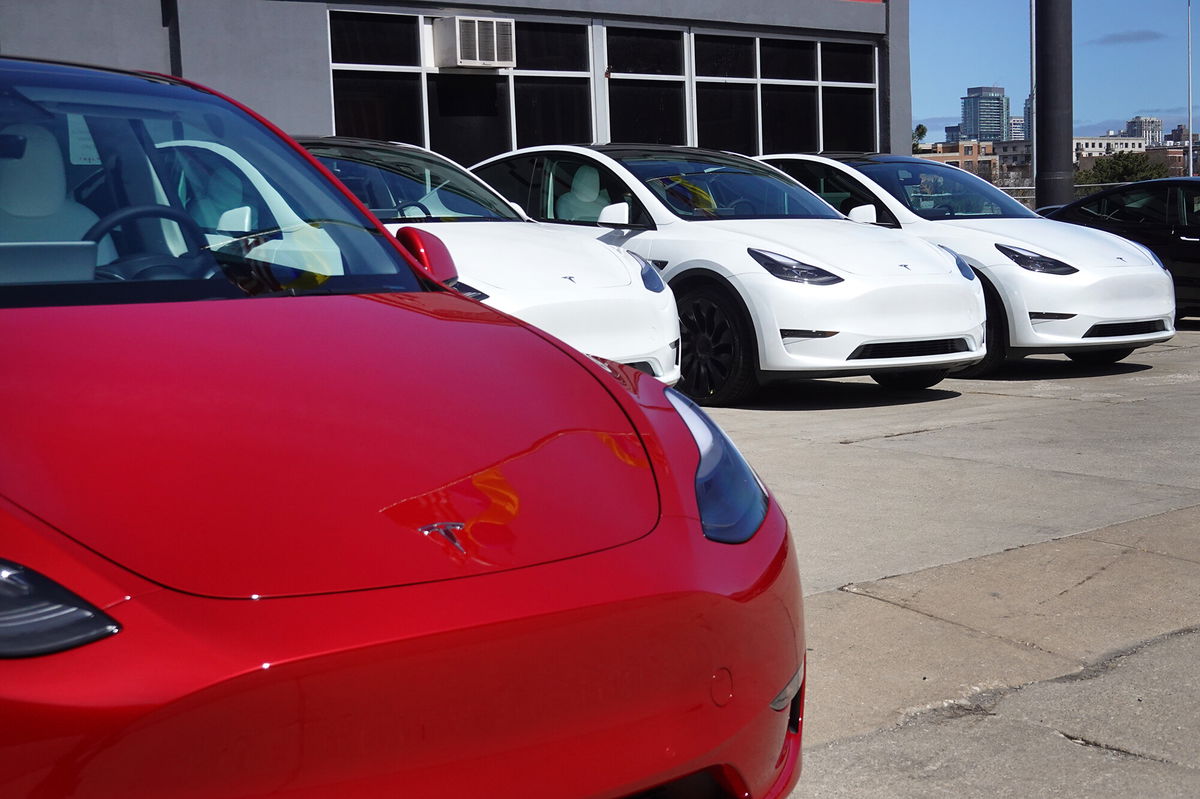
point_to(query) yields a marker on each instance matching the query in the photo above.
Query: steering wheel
(195, 262)
(742, 203)
(412, 204)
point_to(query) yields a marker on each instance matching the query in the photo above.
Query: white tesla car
(599, 299)
(771, 282)
(1051, 287)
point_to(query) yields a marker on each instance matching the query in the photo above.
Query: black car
(1162, 214)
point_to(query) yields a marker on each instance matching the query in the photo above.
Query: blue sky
(1130, 58)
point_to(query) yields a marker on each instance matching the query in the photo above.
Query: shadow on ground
(822, 395)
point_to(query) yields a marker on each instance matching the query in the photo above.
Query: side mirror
(864, 214)
(430, 254)
(615, 215)
(235, 220)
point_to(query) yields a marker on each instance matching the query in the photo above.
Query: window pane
(468, 116)
(647, 111)
(646, 52)
(789, 119)
(374, 39)
(790, 60)
(848, 62)
(514, 179)
(849, 116)
(543, 45)
(727, 117)
(378, 105)
(553, 111)
(725, 56)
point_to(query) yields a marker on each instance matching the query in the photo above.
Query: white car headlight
(650, 277)
(731, 498)
(1034, 262)
(786, 268)
(964, 268)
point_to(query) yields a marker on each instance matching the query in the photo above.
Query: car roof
(48, 67)
(354, 141)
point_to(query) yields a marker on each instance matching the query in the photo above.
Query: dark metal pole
(1055, 180)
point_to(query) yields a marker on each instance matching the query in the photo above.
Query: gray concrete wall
(897, 88)
(272, 55)
(856, 17)
(128, 34)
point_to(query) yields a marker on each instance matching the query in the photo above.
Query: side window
(1187, 202)
(836, 188)
(576, 190)
(1136, 206)
(513, 178)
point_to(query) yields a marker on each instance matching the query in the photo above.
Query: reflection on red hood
(313, 444)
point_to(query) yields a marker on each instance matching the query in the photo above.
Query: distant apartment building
(1178, 135)
(1029, 121)
(985, 114)
(1014, 154)
(1016, 129)
(953, 133)
(1100, 146)
(969, 154)
(1150, 129)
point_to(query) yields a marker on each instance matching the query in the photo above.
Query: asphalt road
(1002, 577)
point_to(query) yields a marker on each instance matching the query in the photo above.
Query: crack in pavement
(1116, 750)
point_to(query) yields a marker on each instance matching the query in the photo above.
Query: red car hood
(299, 445)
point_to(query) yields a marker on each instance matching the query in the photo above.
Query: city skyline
(1121, 69)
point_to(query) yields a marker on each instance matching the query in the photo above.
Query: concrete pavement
(1003, 577)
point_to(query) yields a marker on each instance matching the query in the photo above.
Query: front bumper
(599, 676)
(628, 325)
(1097, 308)
(864, 326)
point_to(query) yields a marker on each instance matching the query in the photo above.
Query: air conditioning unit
(475, 42)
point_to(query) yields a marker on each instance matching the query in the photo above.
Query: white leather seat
(33, 192)
(585, 200)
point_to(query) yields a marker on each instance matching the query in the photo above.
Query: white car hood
(1072, 244)
(525, 256)
(839, 244)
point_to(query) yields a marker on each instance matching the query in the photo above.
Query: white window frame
(596, 74)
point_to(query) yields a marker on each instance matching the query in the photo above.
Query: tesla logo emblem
(903, 266)
(1119, 258)
(569, 277)
(448, 531)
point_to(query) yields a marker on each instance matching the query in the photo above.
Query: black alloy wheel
(995, 334)
(717, 364)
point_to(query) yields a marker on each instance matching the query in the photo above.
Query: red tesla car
(283, 516)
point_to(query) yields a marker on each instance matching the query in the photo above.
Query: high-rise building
(1029, 121)
(953, 133)
(985, 114)
(1016, 128)
(1148, 128)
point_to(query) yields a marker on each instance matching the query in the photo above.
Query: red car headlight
(38, 616)
(731, 498)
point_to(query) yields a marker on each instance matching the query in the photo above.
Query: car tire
(1100, 357)
(718, 363)
(995, 331)
(910, 381)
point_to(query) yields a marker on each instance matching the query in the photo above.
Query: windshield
(116, 188)
(724, 187)
(402, 185)
(936, 191)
